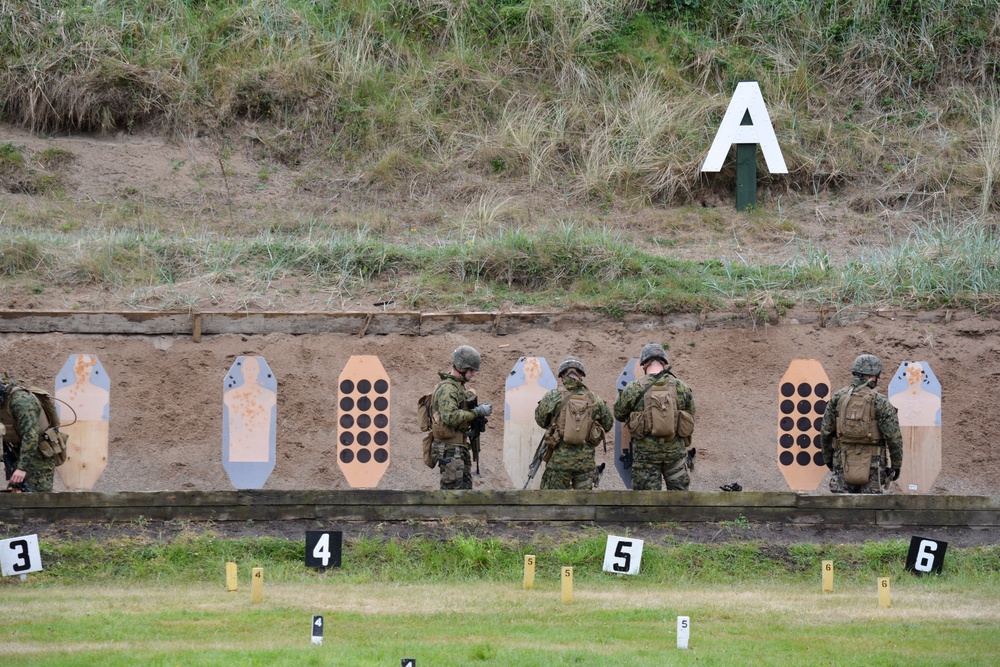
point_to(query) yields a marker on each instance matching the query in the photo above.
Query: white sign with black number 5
(19, 555)
(622, 555)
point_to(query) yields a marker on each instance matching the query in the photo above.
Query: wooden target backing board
(363, 421)
(84, 388)
(249, 422)
(622, 436)
(527, 383)
(916, 393)
(802, 397)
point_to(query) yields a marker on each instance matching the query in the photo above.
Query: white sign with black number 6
(622, 555)
(19, 555)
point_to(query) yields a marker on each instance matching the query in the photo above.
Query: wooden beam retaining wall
(541, 506)
(414, 323)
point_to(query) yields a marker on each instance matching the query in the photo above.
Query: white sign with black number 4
(19, 555)
(622, 555)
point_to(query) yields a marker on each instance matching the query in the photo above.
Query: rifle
(476, 429)
(542, 454)
(9, 459)
(626, 458)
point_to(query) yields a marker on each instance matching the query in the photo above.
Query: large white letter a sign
(747, 101)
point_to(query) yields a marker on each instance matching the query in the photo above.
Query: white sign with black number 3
(622, 555)
(19, 555)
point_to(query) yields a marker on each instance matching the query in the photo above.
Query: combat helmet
(569, 363)
(466, 356)
(653, 351)
(867, 364)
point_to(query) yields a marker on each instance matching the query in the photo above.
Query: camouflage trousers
(39, 473)
(655, 462)
(457, 472)
(874, 486)
(571, 467)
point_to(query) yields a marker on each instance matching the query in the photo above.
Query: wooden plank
(938, 518)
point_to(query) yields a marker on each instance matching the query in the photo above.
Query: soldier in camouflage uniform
(865, 370)
(451, 419)
(572, 466)
(21, 415)
(656, 458)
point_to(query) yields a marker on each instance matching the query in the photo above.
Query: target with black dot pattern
(363, 421)
(802, 397)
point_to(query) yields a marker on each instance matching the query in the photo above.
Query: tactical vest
(576, 418)
(441, 431)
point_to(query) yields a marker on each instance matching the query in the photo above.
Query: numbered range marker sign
(363, 421)
(526, 384)
(925, 555)
(622, 437)
(916, 394)
(622, 555)
(802, 396)
(249, 422)
(323, 548)
(19, 555)
(84, 389)
(317, 630)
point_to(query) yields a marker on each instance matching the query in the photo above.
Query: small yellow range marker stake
(567, 585)
(828, 576)
(884, 602)
(232, 580)
(529, 572)
(257, 585)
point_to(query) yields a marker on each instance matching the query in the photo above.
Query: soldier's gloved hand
(484, 410)
(892, 474)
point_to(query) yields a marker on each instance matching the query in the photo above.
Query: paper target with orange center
(527, 383)
(916, 393)
(363, 421)
(249, 422)
(84, 392)
(802, 397)
(622, 436)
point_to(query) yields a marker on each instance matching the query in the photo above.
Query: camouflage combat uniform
(888, 424)
(655, 458)
(571, 466)
(21, 415)
(448, 408)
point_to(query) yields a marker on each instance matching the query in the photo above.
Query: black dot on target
(803, 440)
(786, 458)
(787, 389)
(805, 407)
(346, 421)
(346, 387)
(380, 421)
(381, 438)
(364, 421)
(786, 423)
(822, 389)
(818, 459)
(818, 441)
(381, 456)
(804, 423)
(364, 403)
(802, 458)
(820, 407)
(364, 456)
(346, 455)
(786, 440)
(381, 403)
(805, 389)
(787, 407)
(346, 403)
(364, 386)
(818, 423)
(347, 438)
(381, 386)
(364, 438)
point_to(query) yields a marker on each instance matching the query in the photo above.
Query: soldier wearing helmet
(452, 417)
(571, 449)
(658, 410)
(858, 408)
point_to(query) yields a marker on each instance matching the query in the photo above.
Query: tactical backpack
(425, 423)
(659, 412)
(576, 419)
(858, 434)
(51, 441)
